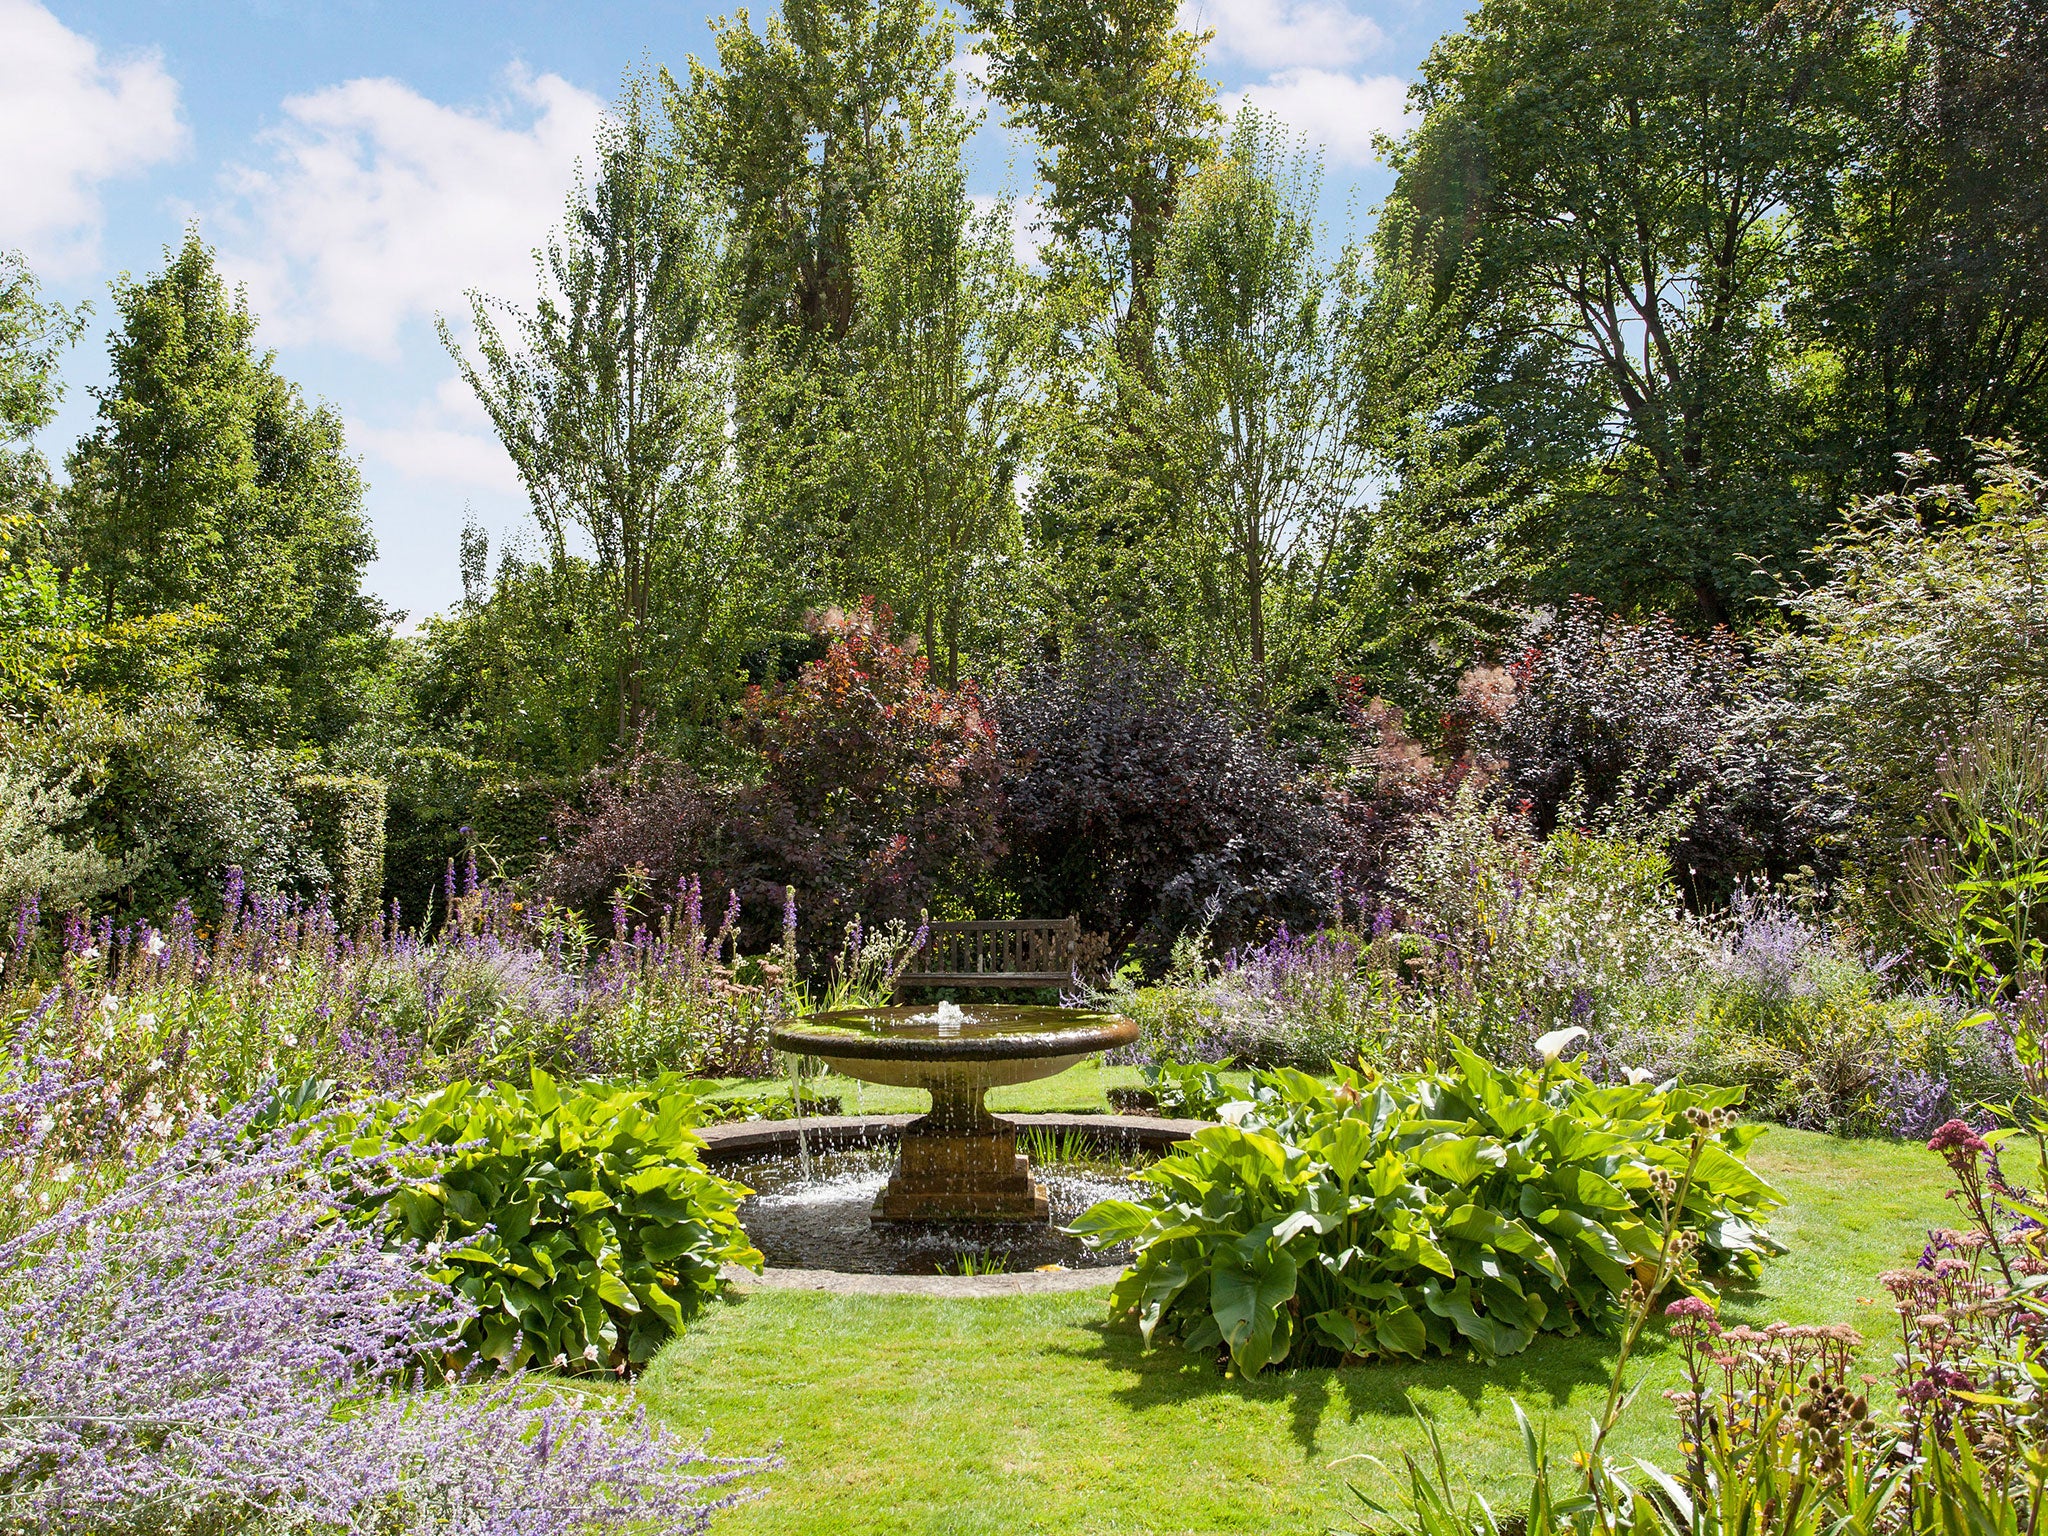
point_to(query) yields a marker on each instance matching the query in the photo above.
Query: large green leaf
(1399, 1331)
(1461, 1159)
(1487, 1336)
(1246, 1294)
(1109, 1222)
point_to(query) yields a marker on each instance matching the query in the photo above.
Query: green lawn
(1078, 1090)
(1032, 1415)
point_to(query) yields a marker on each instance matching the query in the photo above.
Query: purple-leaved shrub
(1132, 799)
(207, 1348)
(1622, 724)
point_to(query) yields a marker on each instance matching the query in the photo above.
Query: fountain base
(948, 1172)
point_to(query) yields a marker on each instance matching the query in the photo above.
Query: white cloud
(442, 455)
(380, 206)
(970, 81)
(1286, 34)
(70, 120)
(447, 441)
(1340, 112)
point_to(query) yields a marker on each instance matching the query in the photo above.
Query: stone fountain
(958, 1162)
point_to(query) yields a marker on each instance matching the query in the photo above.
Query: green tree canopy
(612, 404)
(34, 333)
(1924, 264)
(802, 128)
(1624, 173)
(939, 411)
(1116, 98)
(210, 491)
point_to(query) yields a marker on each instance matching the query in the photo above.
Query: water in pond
(821, 1222)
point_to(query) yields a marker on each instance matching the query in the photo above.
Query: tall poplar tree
(939, 408)
(1325, 509)
(611, 396)
(802, 129)
(1116, 98)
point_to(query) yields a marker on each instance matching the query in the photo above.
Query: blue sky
(359, 165)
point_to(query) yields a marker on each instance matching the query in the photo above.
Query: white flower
(1235, 1112)
(154, 944)
(157, 1065)
(90, 953)
(1638, 1076)
(146, 1020)
(110, 1005)
(284, 962)
(1551, 1046)
(590, 1353)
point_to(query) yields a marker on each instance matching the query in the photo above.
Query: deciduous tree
(939, 410)
(1625, 175)
(613, 404)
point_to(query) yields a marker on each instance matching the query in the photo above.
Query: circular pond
(826, 1221)
(812, 1210)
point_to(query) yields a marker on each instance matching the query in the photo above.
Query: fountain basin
(958, 1162)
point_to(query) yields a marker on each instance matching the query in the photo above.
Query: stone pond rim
(741, 1139)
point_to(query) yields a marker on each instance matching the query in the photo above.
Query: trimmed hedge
(343, 819)
(436, 793)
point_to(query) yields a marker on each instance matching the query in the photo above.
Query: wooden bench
(1031, 952)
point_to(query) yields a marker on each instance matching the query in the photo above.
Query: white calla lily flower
(1553, 1045)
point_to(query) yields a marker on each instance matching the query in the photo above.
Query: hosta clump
(578, 1221)
(1463, 1207)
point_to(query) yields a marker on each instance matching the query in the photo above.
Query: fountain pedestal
(958, 1162)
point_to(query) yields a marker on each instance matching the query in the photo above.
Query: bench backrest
(1031, 952)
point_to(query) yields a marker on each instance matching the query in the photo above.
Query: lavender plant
(206, 1348)
(176, 1021)
(1299, 1000)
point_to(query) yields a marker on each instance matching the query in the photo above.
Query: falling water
(796, 1100)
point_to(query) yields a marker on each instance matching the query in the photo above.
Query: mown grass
(1078, 1090)
(906, 1415)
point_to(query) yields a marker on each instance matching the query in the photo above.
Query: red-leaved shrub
(880, 795)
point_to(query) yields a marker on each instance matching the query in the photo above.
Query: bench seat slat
(1029, 952)
(982, 978)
